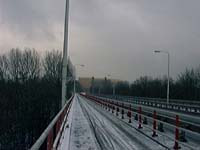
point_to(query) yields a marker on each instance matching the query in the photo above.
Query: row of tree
(186, 86)
(30, 95)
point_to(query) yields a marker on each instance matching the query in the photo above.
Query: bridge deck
(90, 127)
(79, 134)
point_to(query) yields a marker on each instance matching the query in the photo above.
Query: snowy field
(90, 127)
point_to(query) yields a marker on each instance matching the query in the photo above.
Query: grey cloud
(114, 36)
(33, 19)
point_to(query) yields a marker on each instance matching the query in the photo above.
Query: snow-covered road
(92, 128)
(112, 133)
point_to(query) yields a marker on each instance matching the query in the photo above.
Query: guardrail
(191, 107)
(177, 101)
(173, 123)
(51, 135)
(190, 122)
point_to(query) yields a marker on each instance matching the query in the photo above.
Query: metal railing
(175, 101)
(173, 123)
(191, 107)
(47, 138)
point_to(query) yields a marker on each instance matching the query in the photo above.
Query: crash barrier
(189, 121)
(157, 121)
(191, 107)
(50, 138)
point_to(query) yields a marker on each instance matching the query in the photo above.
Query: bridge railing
(163, 100)
(177, 129)
(192, 107)
(51, 134)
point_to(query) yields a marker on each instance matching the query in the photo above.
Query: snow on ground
(167, 137)
(93, 128)
(80, 136)
(64, 141)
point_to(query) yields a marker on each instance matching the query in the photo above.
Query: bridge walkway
(92, 128)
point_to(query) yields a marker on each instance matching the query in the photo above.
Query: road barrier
(122, 111)
(50, 138)
(157, 120)
(117, 112)
(176, 145)
(129, 114)
(189, 122)
(145, 120)
(154, 124)
(113, 109)
(140, 118)
(192, 107)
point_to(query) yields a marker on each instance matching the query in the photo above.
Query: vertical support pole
(140, 117)
(168, 79)
(154, 124)
(65, 55)
(176, 145)
(130, 115)
(50, 140)
(122, 110)
(117, 110)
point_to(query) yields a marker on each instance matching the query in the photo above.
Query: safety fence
(50, 138)
(143, 117)
(186, 106)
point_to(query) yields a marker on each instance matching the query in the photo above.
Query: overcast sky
(114, 37)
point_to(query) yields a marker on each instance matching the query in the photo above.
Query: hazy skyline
(109, 36)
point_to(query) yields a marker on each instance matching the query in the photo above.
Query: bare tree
(3, 68)
(14, 58)
(197, 72)
(29, 65)
(53, 65)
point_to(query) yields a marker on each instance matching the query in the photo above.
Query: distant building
(86, 82)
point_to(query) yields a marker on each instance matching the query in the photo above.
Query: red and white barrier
(129, 115)
(140, 117)
(122, 110)
(154, 124)
(117, 106)
(176, 145)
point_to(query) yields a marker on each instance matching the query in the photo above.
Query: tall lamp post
(166, 52)
(76, 65)
(65, 48)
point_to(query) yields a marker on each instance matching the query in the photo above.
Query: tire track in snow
(81, 137)
(103, 142)
(104, 133)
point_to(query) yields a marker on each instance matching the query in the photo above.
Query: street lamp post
(80, 65)
(65, 47)
(166, 52)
